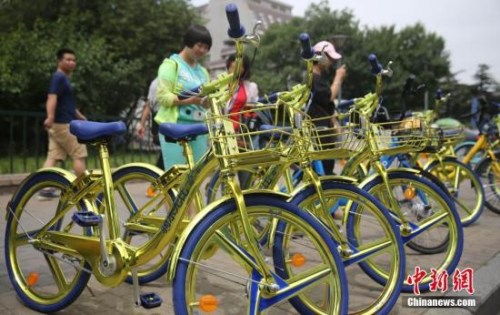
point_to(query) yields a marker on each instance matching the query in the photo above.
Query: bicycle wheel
(440, 243)
(463, 185)
(227, 277)
(141, 214)
(373, 237)
(435, 224)
(490, 180)
(45, 280)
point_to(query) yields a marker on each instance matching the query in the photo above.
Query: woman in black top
(325, 92)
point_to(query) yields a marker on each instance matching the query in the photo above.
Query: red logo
(462, 280)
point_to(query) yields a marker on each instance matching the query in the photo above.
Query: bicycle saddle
(92, 130)
(176, 132)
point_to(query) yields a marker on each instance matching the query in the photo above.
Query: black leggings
(329, 165)
(325, 140)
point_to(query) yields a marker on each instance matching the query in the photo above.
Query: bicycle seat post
(188, 154)
(108, 188)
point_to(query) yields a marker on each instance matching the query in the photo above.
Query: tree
(486, 83)
(119, 44)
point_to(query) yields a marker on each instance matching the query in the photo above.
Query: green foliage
(119, 46)
(121, 43)
(486, 83)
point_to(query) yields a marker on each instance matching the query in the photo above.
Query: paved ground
(481, 252)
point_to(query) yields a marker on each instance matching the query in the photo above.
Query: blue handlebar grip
(273, 97)
(376, 67)
(184, 95)
(235, 29)
(439, 94)
(269, 99)
(305, 42)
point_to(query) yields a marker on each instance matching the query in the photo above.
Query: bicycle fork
(405, 227)
(269, 285)
(344, 248)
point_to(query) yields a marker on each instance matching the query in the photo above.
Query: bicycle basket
(235, 139)
(336, 136)
(408, 135)
(434, 140)
(452, 136)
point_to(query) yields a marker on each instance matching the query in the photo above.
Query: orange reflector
(150, 192)
(342, 162)
(208, 303)
(298, 260)
(32, 279)
(410, 193)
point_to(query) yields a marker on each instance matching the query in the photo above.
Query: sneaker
(47, 194)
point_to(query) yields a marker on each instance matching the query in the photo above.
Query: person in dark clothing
(61, 110)
(325, 93)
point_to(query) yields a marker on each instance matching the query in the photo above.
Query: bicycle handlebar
(269, 99)
(376, 66)
(188, 93)
(235, 29)
(220, 82)
(439, 94)
(305, 42)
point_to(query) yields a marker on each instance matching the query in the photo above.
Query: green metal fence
(23, 143)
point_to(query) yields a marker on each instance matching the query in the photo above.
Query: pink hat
(328, 48)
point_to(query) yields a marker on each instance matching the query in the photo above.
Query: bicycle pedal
(86, 218)
(150, 300)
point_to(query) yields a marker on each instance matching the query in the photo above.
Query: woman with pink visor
(325, 91)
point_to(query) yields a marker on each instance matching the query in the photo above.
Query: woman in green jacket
(183, 71)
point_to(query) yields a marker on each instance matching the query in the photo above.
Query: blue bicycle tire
(41, 303)
(225, 211)
(391, 294)
(455, 247)
(489, 182)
